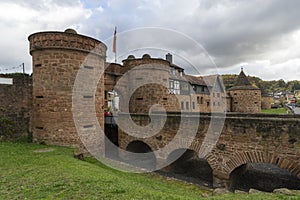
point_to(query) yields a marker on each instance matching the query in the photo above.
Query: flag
(114, 42)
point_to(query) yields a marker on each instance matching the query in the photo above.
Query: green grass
(275, 111)
(25, 174)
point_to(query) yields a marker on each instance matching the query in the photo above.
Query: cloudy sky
(263, 36)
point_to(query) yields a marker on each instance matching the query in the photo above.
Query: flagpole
(115, 44)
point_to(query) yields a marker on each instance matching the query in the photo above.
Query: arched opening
(262, 176)
(143, 156)
(189, 167)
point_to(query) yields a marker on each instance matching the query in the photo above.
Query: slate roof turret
(242, 83)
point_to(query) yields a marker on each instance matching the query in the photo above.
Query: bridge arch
(245, 157)
(186, 164)
(144, 156)
(262, 176)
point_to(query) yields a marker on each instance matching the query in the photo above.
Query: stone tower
(145, 83)
(245, 97)
(56, 59)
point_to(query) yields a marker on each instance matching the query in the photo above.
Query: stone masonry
(245, 138)
(15, 106)
(57, 58)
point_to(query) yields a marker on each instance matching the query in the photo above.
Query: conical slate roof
(242, 83)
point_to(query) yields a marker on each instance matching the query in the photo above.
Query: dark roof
(242, 80)
(243, 83)
(194, 80)
(211, 79)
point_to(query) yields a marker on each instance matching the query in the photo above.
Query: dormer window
(172, 71)
(180, 73)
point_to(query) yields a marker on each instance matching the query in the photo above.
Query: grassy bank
(275, 111)
(27, 174)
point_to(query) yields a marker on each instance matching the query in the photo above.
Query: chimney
(169, 58)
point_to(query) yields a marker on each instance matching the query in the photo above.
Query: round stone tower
(145, 84)
(245, 97)
(56, 59)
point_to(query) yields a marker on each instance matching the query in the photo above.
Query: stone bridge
(242, 139)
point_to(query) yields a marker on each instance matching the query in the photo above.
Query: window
(187, 105)
(214, 94)
(214, 104)
(235, 102)
(198, 99)
(171, 87)
(218, 95)
(219, 104)
(255, 102)
(235, 94)
(194, 105)
(180, 73)
(172, 71)
(207, 103)
(201, 100)
(176, 87)
(182, 105)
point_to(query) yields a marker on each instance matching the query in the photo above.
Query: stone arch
(262, 176)
(187, 165)
(140, 155)
(261, 157)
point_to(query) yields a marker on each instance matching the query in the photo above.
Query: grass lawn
(25, 174)
(275, 111)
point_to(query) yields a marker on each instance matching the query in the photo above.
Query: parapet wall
(15, 107)
(244, 138)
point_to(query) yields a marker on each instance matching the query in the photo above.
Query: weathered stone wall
(15, 107)
(246, 101)
(57, 58)
(245, 138)
(145, 83)
(265, 102)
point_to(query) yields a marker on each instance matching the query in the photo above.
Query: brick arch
(260, 157)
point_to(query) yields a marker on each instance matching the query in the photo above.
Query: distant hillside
(268, 86)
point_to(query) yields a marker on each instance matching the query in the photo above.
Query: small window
(235, 94)
(203, 89)
(194, 107)
(201, 100)
(207, 103)
(187, 105)
(214, 104)
(172, 71)
(198, 99)
(182, 105)
(180, 73)
(219, 104)
(255, 102)
(214, 94)
(218, 95)
(235, 102)
(88, 67)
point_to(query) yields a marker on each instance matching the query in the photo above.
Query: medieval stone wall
(15, 107)
(246, 101)
(57, 58)
(144, 86)
(265, 102)
(245, 138)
